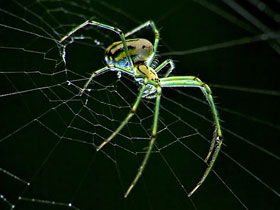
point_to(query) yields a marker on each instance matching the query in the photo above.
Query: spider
(134, 57)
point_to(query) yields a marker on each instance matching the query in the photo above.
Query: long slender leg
(151, 24)
(96, 73)
(103, 70)
(165, 63)
(131, 113)
(101, 25)
(190, 81)
(153, 138)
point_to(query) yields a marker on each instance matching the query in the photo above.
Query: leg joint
(197, 79)
(158, 89)
(207, 88)
(132, 110)
(118, 30)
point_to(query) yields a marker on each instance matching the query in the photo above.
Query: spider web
(49, 133)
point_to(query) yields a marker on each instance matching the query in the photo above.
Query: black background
(242, 77)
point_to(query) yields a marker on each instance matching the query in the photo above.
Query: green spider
(134, 57)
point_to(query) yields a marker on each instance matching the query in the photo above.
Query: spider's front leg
(152, 25)
(101, 25)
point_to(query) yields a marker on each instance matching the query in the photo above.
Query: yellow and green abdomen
(139, 50)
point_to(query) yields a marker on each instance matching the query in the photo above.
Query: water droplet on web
(119, 75)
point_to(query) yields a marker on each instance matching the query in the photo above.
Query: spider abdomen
(140, 50)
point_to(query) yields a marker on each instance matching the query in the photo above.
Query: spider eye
(143, 46)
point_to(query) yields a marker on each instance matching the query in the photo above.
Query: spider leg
(103, 70)
(95, 73)
(101, 25)
(150, 147)
(215, 146)
(151, 24)
(165, 63)
(131, 113)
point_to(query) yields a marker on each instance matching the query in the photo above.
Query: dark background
(43, 142)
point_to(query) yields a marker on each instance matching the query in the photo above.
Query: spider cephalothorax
(134, 57)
